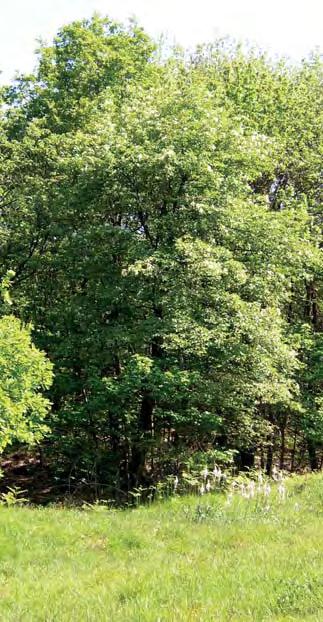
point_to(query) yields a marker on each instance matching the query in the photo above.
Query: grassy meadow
(184, 559)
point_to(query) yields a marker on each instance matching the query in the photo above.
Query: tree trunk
(139, 449)
(262, 458)
(311, 309)
(269, 461)
(271, 443)
(292, 464)
(312, 454)
(282, 445)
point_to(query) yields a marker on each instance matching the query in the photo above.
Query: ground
(185, 559)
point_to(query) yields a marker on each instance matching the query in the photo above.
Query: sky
(283, 27)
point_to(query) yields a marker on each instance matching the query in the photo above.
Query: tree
(24, 373)
(170, 238)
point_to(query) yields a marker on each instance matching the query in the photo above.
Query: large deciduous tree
(162, 218)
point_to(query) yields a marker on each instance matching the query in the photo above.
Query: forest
(161, 263)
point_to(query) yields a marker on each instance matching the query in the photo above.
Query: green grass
(183, 559)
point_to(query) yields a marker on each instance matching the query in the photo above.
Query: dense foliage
(163, 219)
(24, 373)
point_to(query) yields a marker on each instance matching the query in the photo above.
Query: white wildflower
(208, 486)
(205, 473)
(202, 489)
(251, 489)
(282, 491)
(267, 489)
(217, 473)
(244, 492)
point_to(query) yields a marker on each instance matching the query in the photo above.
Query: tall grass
(196, 558)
